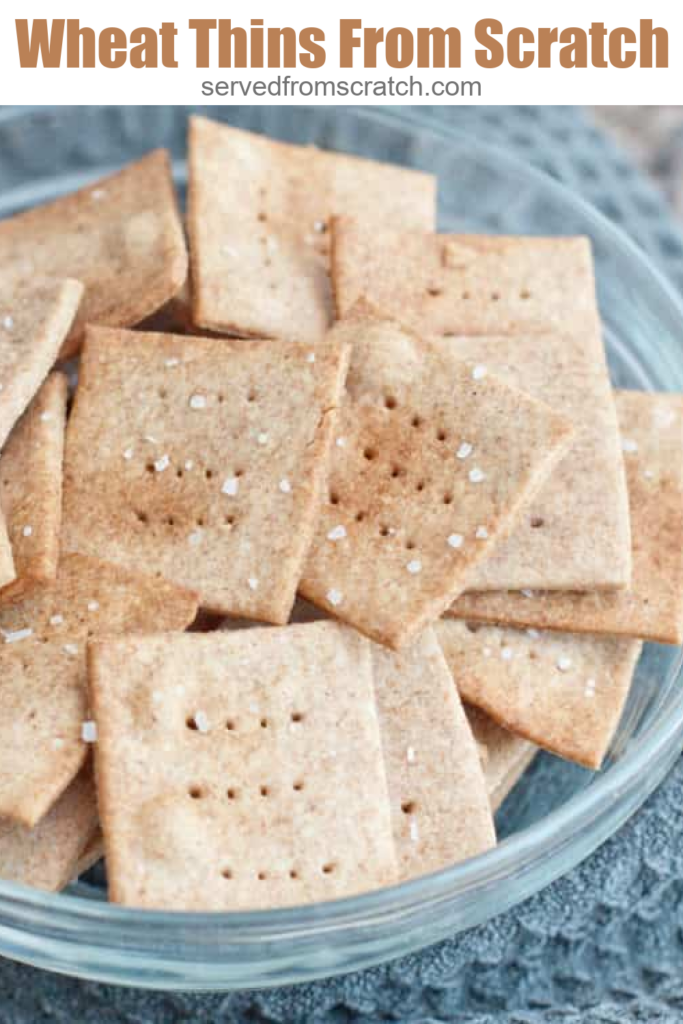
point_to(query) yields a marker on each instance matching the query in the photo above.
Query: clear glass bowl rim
(235, 950)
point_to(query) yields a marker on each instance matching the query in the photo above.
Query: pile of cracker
(344, 522)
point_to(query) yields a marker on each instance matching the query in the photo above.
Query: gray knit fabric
(604, 945)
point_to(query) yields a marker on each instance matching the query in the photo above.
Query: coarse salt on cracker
(563, 692)
(439, 804)
(31, 487)
(42, 671)
(121, 236)
(399, 490)
(210, 438)
(258, 221)
(255, 779)
(523, 309)
(652, 607)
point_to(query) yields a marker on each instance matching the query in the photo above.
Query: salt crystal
(414, 566)
(8, 323)
(627, 445)
(11, 637)
(564, 663)
(464, 451)
(481, 533)
(262, 439)
(455, 540)
(162, 463)
(478, 372)
(231, 486)
(198, 402)
(337, 533)
(89, 732)
(56, 620)
(335, 597)
(93, 606)
(201, 721)
(27, 531)
(71, 649)
(476, 475)
(253, 583)
(285, 486)
(506, 653)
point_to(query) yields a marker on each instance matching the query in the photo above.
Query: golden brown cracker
(240, 770)
(202, 459)
(46, 856)
(439, 804)
(506, 758)
(31, 487)
(563, 692)
(652, 608)
(463, 284)
(35, 318)
(121, 236)
(427, 473)
(476, 291)
(42, 671)
(258, 218)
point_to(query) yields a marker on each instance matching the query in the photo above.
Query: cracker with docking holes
(506, 756)
(463, 284)
(34, 321)
(240, 770)
(203, 459)
(432, 462)
(555, 354)
(652, 608)
(439, 802)
(258, 219)
(47, 855)
(42, 671)
(121, 236)
(563, 692)
(31, 487)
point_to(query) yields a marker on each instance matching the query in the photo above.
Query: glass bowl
(559, 813)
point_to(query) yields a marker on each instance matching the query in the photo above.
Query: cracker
(439, 803)
(563, 692)
(31, 487)
(46, 856)
(240, 770)
(34, 320)
(507, 756)
(7, 573)
(463, 284)
(551, 545)
(430, 467)
(91, 854)
(42, 671)
(202, 459)
(557, 356)
(652, 609)
(258, 217)
(121, 236)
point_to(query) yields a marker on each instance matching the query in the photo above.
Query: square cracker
(258, 216)
(439, 804)
(430, 467)
(652, 608)
(563, 692)
(46, 856)
(551, 546)
(34, 321)
(203, 459)
(506, 756)
(31, 487)
(91, 854)
(42, 671)
(121, 236)
(220, 763)
(463, 284)
(472, 291)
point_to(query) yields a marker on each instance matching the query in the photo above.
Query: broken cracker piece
(429, 468)
(507, 756)
(563, 692)
(42, 671)
(220, 763)
(46, 856)
(35, 319)
(121, 236)
(439, 803)
(652, 608)
(463, 284)
(31, 487)
(203, 459)
(258, 219)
